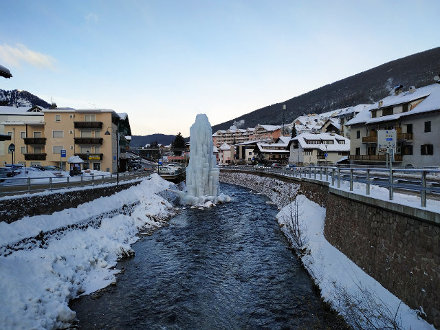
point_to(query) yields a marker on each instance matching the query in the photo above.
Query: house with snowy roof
(270, 153)
(413, 114)
(226, 154)
(318, 148)
(235, 135)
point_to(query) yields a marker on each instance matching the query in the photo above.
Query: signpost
(11, 148)
(386, 142)
(62, 154)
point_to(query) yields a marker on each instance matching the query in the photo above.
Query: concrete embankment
(399, 247)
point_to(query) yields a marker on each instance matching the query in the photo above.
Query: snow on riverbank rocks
(36, 285)
(363, 301)
(279, 192)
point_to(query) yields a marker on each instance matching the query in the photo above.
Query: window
(10, 133)
(57, 134)
(408, 150)
(23, 135)
(358, 134)
(38, 150)
(97, 150)
(387, 111)
(97, 134)
(85, 149)
(358, 151)
(57, 149)
(86, 134)
(405, 107)
(23, 150)
(37, 134)
(89, 117)
(58, 118)
(374, 114)
(341, 141)
(426, 149)
(427, 126)
(409, 129)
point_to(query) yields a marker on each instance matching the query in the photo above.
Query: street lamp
(284, 110)
(117, 152)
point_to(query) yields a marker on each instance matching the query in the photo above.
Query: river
(227, 267)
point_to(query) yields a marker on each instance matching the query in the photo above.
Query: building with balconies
(413, 114)
(91, 134)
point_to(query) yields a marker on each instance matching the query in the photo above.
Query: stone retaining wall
(398, 246)
(12, 209)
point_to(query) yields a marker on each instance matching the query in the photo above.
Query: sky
(165, 61)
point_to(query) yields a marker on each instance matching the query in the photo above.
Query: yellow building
(89, 133)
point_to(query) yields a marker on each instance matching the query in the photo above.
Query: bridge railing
(14, 185)
(420, 181)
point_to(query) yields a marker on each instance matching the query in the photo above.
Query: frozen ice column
(202, 172)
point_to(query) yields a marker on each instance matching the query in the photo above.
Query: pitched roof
(335, 146)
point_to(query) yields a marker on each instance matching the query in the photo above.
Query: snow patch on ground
(36, 285)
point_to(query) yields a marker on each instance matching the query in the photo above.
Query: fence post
(50, 183)
(351, 179)
(368, 182)
(68, 179)
(93, 180)
(339, 177)
(320, 173)
(326, 174)
(391, 185)
(81, 179)
(423, 191)
(333, 177)
(29, 184)
(314, 173)
(310, 172)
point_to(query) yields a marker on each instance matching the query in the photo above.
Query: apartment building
(91, 134)
(237, 135)
(413, 114)
(277, 152)
(320, 148)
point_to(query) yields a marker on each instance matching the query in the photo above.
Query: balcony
(374, 158)
(34, 140)
(369, 139)
(404, 136)
(88, 124)
(88, 141)
(88, 157)
(40, 156)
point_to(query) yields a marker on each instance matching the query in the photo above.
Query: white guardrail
(421, 181)
(14, 185)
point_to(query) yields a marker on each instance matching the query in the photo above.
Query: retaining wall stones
(398, 246)
(12, 209)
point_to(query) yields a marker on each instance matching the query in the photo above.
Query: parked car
(276, 165)
(51, 168)
(38, 167)
(8, 172)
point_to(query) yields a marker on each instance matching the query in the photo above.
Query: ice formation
(202, 171)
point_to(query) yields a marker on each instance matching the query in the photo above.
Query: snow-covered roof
(128, 137)
(225, 146)
(214, 149)
(123, 115)
(22, 122)
(75, 159)
(18, 111)
(330, 147)
(269, 128)
(285, 139)
(430, 103)
(271, 148)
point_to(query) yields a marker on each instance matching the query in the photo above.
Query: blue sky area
(164, 61)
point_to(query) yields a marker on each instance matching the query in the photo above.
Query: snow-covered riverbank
(363, 301)
(37, 284)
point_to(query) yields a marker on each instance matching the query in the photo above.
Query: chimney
(398, 89)
(412, 89)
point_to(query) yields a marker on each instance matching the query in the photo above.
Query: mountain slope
(21, 99)
(142, 140)
(366, 87)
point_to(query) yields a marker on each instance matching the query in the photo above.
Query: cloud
(91, 17)
(19, 54)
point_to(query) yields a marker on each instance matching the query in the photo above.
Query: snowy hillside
(21, 99)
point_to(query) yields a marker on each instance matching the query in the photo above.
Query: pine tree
(178, 145)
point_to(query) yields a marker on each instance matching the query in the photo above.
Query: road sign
(11, 147)
(325, 155)
(63, 152)
(386, 140)
(160, 163)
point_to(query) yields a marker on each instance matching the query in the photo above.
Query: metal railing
(419, 181)
(14, 185)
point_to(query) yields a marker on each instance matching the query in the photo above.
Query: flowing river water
(227, 267)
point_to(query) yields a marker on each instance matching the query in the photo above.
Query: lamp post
(117, 151)
(284, 110)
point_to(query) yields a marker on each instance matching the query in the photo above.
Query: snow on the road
(36, 285)
(341, 281)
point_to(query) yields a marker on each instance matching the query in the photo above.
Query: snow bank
(363, 301)
(36, 285)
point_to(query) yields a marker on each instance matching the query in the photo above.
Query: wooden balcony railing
(39, 156)
(404, 136)
(369, 139)
(34, 140)
(88, 124)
